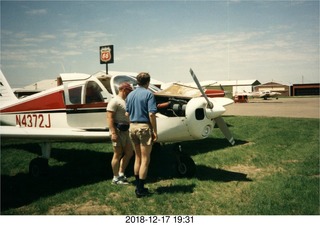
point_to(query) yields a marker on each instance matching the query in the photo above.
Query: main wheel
(186, 166)
(38, 167)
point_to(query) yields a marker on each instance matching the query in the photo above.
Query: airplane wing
(206, 83)
(54, 134)
(179, 90)
(185, 91)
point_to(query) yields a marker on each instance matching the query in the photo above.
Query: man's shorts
(141, 133)
(123, 139)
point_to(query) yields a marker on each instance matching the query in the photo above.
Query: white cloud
(238, 54)
(35, 12)
(47, 36)
(235, 54)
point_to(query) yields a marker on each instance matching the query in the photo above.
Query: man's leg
(128, 153)
(115, 162)
(137, 163)
(145, 161)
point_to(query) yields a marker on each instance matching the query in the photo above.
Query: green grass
(272, 170)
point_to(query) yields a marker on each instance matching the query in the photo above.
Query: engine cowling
(200, 117)
(197, 123)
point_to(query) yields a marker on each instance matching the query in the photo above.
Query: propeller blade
(221, 87)
(224, 129)
(210, 104)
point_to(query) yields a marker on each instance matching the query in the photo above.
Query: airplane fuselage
(77, 110)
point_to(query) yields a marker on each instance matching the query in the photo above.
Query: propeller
(219, 120)
(224, 129)
(210, 104)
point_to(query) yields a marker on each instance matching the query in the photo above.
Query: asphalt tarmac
(296, 107)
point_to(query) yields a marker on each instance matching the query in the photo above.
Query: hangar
(305, 89)
(35, 88)
(233, 87)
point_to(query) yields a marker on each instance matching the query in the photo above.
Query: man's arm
(153, 123)
(112, 128)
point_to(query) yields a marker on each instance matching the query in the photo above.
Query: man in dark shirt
(141, 108)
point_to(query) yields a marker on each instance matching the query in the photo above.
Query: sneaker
(118, 181)
(123, 178)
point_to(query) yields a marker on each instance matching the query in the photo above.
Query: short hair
(143, 78)
(125, 86)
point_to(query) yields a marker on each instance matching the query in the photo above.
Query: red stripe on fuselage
(52, 101)
(88, 106)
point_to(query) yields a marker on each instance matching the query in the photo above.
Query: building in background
(274, 87)
(305, 89)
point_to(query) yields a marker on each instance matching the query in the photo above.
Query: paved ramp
(298, 107)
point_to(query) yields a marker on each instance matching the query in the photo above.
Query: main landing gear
(183, 163)
(39, 166)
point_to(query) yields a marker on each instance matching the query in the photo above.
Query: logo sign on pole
(106, 54)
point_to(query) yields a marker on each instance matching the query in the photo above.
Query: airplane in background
(261, 94)
(75, 110)
(265, 94)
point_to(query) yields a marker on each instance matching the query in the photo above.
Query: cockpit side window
(75, 95)
(105, 80)
(93, 93)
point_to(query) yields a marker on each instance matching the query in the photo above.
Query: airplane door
(85, 106)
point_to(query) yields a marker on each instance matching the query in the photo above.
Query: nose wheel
(185, 164)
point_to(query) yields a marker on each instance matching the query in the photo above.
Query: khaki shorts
(141, 133)
(123, 139)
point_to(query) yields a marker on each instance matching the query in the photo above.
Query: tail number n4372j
(33, 120)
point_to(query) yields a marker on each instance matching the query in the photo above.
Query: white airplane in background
(265, 94)
(75, 110)
(261, 94)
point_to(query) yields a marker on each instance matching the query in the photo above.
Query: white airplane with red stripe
(75, 110)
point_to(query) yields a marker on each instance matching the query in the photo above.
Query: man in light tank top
(118, 127)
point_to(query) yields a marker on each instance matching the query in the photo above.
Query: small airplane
(261, 94)
(75, 110)
(265, 94)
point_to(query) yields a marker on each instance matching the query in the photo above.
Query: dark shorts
(141, 133)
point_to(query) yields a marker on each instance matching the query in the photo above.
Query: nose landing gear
(185, 164)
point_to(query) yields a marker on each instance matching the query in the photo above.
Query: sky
(220, 40)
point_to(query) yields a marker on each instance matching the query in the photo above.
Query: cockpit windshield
(120, 79)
